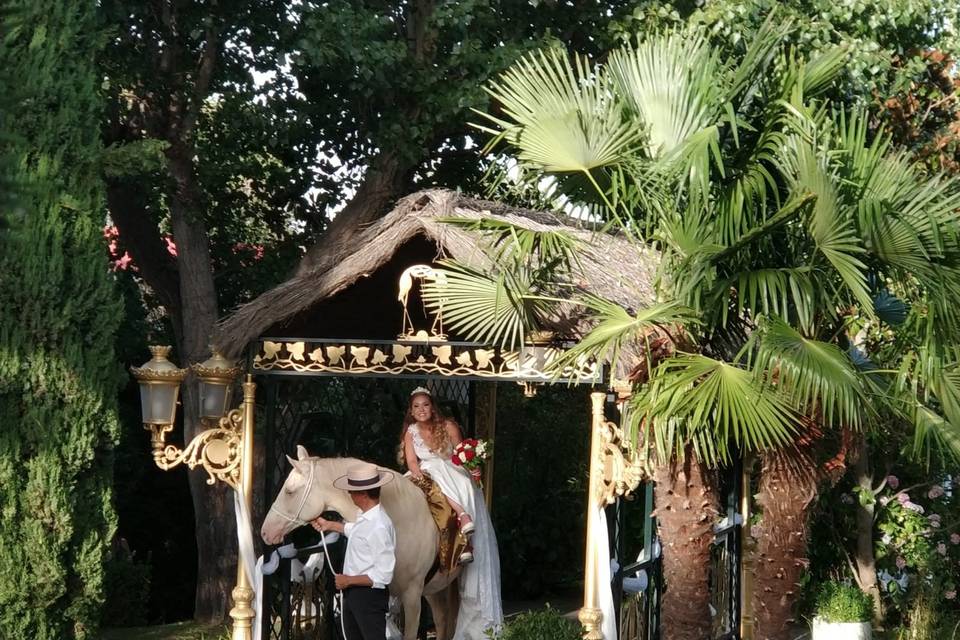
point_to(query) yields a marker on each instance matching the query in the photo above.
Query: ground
(178, 631)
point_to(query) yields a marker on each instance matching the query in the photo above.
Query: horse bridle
(295, 518)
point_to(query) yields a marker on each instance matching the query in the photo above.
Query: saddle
(452, 541)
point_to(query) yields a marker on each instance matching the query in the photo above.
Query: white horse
(308, 491)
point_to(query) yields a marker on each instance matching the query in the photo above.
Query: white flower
(463, 456)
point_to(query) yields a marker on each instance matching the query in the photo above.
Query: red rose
(455, 459)
(470, 455)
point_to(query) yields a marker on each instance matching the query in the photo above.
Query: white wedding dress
(480, 605)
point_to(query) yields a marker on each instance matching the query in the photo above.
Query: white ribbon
(601, 548)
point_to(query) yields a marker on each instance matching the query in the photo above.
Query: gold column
(590, 615)
(485, 419)
(242, 612)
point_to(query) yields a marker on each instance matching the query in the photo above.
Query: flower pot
(823, 630)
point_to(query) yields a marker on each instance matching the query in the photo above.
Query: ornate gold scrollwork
(217, 450)
(621, 467)
(454, 359)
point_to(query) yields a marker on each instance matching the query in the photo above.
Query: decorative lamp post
(159, 381)
(216, 375)
(224, 450)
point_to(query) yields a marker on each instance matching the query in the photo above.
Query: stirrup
(465, 558)
(465, 529)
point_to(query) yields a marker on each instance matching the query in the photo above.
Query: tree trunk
(383, 183)
(686, 509)
(213, 505)
(865, 560)
(788, 485)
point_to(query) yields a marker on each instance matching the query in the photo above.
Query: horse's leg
(453, 606)
(410, 599)
(443, 606)
(438, 611)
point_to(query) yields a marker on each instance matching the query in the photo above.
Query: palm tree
(780, 225)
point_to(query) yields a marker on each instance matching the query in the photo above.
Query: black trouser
(365, 613)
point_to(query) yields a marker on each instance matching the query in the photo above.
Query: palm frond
(830, 226)
(560, 116)
(818, 377)
(788, 292)
(614, 326)
(712, 405)
(669, 82)
(497, 308)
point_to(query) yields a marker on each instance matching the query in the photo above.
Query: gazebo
(358, 324)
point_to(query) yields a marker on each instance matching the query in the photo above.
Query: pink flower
(901, 562)
(942, 549)
(935, 492)
(903, 498)
(171, 246)
(893, 482)
(950, 595)
(955, 538)
(123, 262)
(913, 507)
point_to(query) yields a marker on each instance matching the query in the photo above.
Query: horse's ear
(302, 452)
(293, 463)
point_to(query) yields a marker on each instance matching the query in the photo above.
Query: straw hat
(362, 477)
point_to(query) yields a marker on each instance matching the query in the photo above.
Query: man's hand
(323, 525)
(345, 582)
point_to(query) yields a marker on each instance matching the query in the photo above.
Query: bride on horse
(428, 443)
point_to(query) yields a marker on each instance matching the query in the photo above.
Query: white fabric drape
(247, 556)
(599, 545)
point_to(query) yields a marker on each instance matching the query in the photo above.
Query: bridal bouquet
(471, 454)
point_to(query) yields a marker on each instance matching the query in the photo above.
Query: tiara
(421, 390)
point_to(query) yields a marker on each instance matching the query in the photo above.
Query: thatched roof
(611, 267)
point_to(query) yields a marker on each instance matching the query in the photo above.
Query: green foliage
(547, 624)
(58, 375)
(884, 39)
(388, 76)
(127, 589)
(839, 602)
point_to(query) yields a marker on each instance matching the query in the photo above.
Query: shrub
(547, 624)
(127, 586)
(838, 602)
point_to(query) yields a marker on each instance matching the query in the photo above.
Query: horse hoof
(465, 558)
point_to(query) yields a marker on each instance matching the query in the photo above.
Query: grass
(179, 631)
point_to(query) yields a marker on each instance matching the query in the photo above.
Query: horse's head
(307, 492)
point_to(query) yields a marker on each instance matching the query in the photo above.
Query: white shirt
(371, 547)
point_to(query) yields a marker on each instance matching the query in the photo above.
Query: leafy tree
(58, 376)
(181, 97)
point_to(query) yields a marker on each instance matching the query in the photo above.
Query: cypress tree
(58, 316)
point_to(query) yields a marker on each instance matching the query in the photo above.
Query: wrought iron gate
(638, 583)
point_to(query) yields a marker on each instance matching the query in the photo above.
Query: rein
(295, 518)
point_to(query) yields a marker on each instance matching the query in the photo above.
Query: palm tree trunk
(686, 500)
(788, 485)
